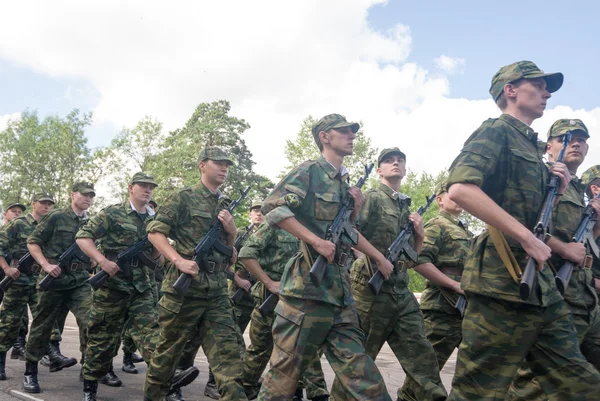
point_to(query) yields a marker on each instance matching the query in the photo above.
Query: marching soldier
(590, 179)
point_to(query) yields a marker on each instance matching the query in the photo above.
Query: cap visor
(553, 81)
(145, 182)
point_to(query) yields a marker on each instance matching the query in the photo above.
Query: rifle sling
(503, 249)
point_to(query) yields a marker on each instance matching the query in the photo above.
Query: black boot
(57, 360)
(90, 387)
(128, 366)
(2, 365)
(298, 396)
(321, 398)
(135, 358)
(45, 361)
(111, 379)
(184, 377)
(18, 350)
(175, 395)
(30, 379)
(211, 390)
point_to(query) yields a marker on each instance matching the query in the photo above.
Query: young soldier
(580, 294)
(309, 317)
(264, 255)
(50, 238)
(441, 261)
(499, 177)
(205, 310)
(393, 316)
(590, 179)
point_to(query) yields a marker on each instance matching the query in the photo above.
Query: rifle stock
(267, 307)
(63, 260)
(25, 262)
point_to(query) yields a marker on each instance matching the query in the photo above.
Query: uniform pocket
(287, 327)
(128, 234)
(326, 206)
(169, 304)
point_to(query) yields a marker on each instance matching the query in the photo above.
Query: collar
(389, 191)
(449, 216)
(31, 219)
(520, 126)
(74, 215)
(149, 210)
(204, 191)
(330, 169)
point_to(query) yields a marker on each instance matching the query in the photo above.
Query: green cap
(561, 127)
(389, 151)
(590, 175)
(440, 189)
(523, 69)
(42, 196)
(83, 188)
(332, 121)
(214, 153)
(15, 203)
(256, 203)
(142, 178)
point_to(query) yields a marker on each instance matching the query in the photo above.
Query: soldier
(499, 177)
(13, 210)
(393, 316)
(590, 179)
(264, 255)
(205, 310)
(309, 317)
(580, 294)
(441, 261)
(50, 238)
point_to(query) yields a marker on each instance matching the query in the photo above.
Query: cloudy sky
(417, 73)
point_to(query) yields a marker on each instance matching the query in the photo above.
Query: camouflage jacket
(185, 217)
(239, 266)
(502, 158)
(446, 244)
(566, 217)
(117, 228)
(312, 193)
(13, 241)
(272, 248)
(54, 234)
(382, 217)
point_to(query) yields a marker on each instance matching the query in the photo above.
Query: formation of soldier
(302, 275)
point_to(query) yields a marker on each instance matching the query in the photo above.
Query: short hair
(502, 102)
(588, 189)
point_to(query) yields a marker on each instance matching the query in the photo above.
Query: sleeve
(287, 196)
(367, 214)
(96, 227)
(44, 230)
(167, 216)
(3, 243)
(257, 242)
(431, 243)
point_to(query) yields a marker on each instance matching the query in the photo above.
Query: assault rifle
(63, 262)
(461, 303)
(399, 247)
(239, 242)
(98, 279)
(24, 265)
(582, 235)
(340, 229)
(541, 228)
(205, 247)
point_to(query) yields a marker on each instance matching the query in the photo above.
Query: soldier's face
(448, 205)
(82, 201)
(215, 171)
(256, 216)
(340, 140)
(42, 208)
(531, 97)
(141, 192)
(392, 166)
(575, 152)
(13, 213)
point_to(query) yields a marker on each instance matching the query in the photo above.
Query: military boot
(3, 365)
(111, 379)
(18, 350)
(184, 377)
(30, 379)
(128, 366)
(298, 396)
(45, 361)
(211, 390)
(175, 395)
(135, 358)
(90, 387)
(321, 398)
(57, 360)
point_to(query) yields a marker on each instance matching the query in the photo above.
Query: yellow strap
(368, 265)
(306, 253)
(503, 249)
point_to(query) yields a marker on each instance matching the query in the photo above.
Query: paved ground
(65, 385)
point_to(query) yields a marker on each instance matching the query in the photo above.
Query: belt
(73, 266)
(33, 269)
(455, 271)
(133, 262)
(208, 266)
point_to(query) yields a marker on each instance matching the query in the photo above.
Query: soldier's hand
(574, 251)
(358, 197)
(227, 220)
(326, 249)
(12, 273)
(273, 287)
(561, 171)
(111, 268)
(385, 267)
(537, 250)
(187, 266)
(456, 288)
(242, 283)
(52, 270)
(417, 221)
(234, 256)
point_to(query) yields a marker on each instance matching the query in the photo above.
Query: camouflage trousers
(184, 318)
(525, 385)
(111, 309)
(260, 350)
(242, 316)
(301, 328)
(444, 333)
(51, 306)
(498, 335)
(397, 320)
(14, 317)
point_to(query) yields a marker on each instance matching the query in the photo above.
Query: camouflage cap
(562, 126)
(331, 121)
(214, 153)
(389, 151)
(256, 203)
(523, 69)
(42, 196)
(440, 189)
(141, 178)
(15, 203)
(590, 175)
(83, 188)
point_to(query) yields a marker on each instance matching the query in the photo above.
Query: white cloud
(450, 65)
(4, 119)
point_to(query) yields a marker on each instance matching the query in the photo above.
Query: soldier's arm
(41, 234)
(573, 251)
(4, 243)
(250, 252)
(94, 229)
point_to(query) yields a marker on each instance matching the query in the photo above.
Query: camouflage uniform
(243, 308)
(205, 310)
(587, 178)
(580, 295)
(272, 248)
(122, 298)
(499, 329)
(446, 246)
(393, 316)
(309, 317)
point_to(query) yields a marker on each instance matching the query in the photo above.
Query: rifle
(339, 229)
(582, 235)
(209, 243)
(63, 260)
(24, 264)
(399, 247)
(461, 303)
(98, 279)
(268, 306)
(541, 228)
(240, 293)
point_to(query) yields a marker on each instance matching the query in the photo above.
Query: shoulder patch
(291, 200)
